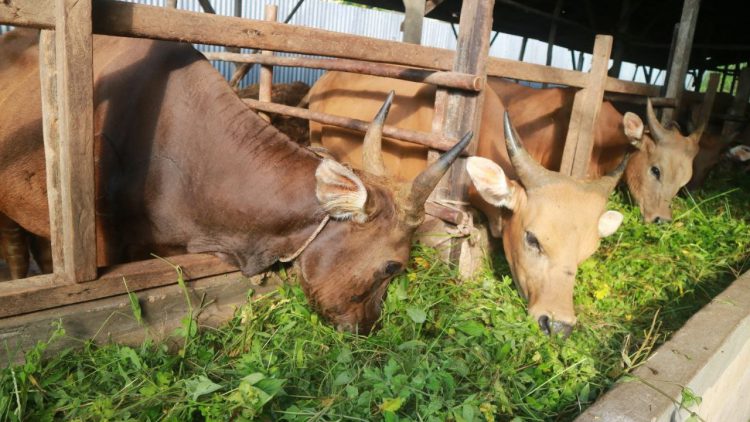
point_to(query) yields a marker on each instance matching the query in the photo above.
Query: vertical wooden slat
(76, 126)
(586, 106)
(463, 110)
(414, 11)
(739, 104)
(681, 57)
(50, 113)
(266, 72)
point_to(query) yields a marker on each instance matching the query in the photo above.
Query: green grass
(446, 350)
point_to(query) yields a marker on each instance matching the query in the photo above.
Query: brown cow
(183, 165)
(549, 223)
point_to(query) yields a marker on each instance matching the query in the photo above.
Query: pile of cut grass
(446, 350)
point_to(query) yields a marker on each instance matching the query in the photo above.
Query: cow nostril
(657, 220)
(544, 324)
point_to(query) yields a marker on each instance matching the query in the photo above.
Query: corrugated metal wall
(333, 16)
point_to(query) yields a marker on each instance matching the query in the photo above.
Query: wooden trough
(78, 292)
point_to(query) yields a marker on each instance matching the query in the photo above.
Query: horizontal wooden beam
(422, 138)
(640, 100)
(127, 19)
(433, 77)
(46, 293)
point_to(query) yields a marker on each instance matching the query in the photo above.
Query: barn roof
(644, 27)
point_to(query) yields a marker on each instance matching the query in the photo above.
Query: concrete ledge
(111, 319)
(710, 355)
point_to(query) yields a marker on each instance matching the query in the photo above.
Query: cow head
(552, 223)
(661, 165)
(346, 270)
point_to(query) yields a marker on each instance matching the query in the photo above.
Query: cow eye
(393, 267)
(533, 242)
(656, 172)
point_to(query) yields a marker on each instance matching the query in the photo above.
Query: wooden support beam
(551, 38)
(50, 113)
(414, 11)
(137, 20)
(430, 5)
(739, 104)
(266, 71)
(171, 4)
(19, 297)
(444, 79)
(463, 110)
(586, 105)
(75, 86)
(430, 140)
(679, 64)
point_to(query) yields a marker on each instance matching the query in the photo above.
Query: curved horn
(529, 171)
(372, 156)
(607, 183)
(658, 132)
(427, 180)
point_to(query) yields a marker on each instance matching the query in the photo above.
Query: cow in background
(183, 165)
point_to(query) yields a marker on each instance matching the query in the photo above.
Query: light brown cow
(183, 165)
(549, 223)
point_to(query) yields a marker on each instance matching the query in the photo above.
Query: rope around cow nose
(308, 242)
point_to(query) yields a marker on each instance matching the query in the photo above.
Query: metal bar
(439, 78)
(421, 138)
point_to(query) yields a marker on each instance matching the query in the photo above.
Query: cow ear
(633, 129)
(341, 192)
(609, 222)
(491, 183)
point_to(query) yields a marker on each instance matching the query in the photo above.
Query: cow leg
(14, 247)
(41, 249)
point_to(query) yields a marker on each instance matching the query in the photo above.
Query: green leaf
(471, 328)
(391, 405)
(200, 385)
(342, 378)
(417, 315)
(135, 305)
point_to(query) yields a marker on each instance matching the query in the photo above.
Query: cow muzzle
(553, 328)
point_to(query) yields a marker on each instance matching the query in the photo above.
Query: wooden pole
(444, 79)
(414, 16)
(678, 67)
(50, 111)
(75, 83)
(586, 105)
(172, 4)
(266, 71)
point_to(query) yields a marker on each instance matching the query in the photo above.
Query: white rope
(308, 242)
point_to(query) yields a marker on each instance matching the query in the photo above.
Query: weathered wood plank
(680, 58)
(125, 19)
(586, 105)
(739, 104)
(111, 319)
(17, 299)
(414, 11)
(50, 113)
(75, 82)
(266, 71)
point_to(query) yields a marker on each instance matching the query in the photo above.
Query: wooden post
(48, 79)
(739, 104)
(414, 17)
(172, 4)
(586, 106)
(681, 57)
(266, 72)
(75, 83)
(553, 31)
(463, 110)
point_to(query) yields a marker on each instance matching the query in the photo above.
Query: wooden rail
(430, 140)
(439, 78)
(127, 19)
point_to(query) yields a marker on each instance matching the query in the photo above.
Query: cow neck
(266, 182)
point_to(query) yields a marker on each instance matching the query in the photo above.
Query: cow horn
(658, 132)
(372, 156)
(607, 183)
(427, 180)
(529, 171)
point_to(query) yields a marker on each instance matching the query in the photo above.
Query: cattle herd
(183, 165)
